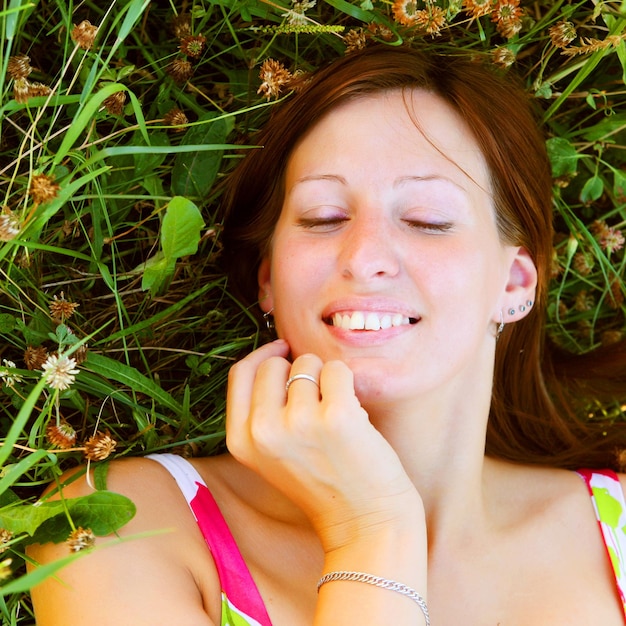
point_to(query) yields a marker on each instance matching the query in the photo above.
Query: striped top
(242, 604)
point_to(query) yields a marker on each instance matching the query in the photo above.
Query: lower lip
(369, 337)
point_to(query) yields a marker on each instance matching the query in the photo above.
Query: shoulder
(154, 568)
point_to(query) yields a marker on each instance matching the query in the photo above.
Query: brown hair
(532, 415)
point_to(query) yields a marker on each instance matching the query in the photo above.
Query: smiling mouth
(369, 320)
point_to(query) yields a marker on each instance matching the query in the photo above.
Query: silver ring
(301, 377)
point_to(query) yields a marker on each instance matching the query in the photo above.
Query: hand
(317, 446)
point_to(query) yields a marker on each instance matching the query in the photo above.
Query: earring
(500, 326)
(511, 311)
(269, 320)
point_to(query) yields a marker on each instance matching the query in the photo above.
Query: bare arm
(144, 581)
(321, 451)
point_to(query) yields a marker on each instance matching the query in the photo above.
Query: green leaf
(103, 512)
(147, 162)
(563, 156)
(194, 174)
(130, 377)
(606, 128)
(7, 323)
(180, 232)
(156, 273)
(592, 189)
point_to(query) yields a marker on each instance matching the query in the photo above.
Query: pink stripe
(587, 476)
(235, 577)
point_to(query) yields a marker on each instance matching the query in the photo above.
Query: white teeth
(360, 320)
(357, 322)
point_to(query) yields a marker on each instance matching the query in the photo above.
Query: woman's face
(386, 254)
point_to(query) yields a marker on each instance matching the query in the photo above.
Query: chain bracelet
(377, 581)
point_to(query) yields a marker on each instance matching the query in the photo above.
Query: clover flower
(61, 309)
(274, 76)
(508, 17)
(503, 57)
(99, 446)
(5, 538)
(81, 539)
(9, 225)
(296, 15)
(181, 25)
(43, 188)
(10, 379)
(18, 66)
(84, 34)
(478, 8)
(610, 239)
(432, 19)
(562, 34)
(192, 45)
(35, 357)
(59, 372)
(355, 39)
(180, 70)
(176, 118)
(114, 104)
(61, 435)
(405, 12)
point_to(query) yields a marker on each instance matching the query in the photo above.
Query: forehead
(406, 129)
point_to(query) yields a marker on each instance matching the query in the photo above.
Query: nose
(368, 250)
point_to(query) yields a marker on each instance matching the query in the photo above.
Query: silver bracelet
(385, 583)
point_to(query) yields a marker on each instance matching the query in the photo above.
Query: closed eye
(326, 223)
(433, 227)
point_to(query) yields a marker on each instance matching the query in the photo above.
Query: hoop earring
(500, 326)
(269, 319)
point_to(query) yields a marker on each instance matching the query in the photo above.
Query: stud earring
(522, 308)
(269, 320)
(529, 303)
(511, 311)
(500, 326)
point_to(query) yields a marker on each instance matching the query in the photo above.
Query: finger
(241, 379)
(303, 382)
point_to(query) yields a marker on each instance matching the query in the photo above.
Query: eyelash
(430, 226)
(328, 223)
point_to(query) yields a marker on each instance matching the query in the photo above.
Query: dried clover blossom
(175, 117)
(84, 34)
(562, 34)
(61, 309)
(99, 446)
(192, 45)
(81, 539)
(355, 39)
(478, 8)
(35, 357)
(43, 188)
(5, 538)
(114, 104)
(9, 225)
(503, 57)
(180, 70)
(274, 76)
(61, 435)
(432, 19)
(19, 66)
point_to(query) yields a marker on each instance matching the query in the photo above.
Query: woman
(398, 224)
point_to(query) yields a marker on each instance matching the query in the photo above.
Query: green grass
(126, 227)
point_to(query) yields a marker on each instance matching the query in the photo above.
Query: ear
(264, 274)
(519, 295)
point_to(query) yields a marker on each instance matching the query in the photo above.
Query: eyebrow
(331, 177)
(434, 177)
